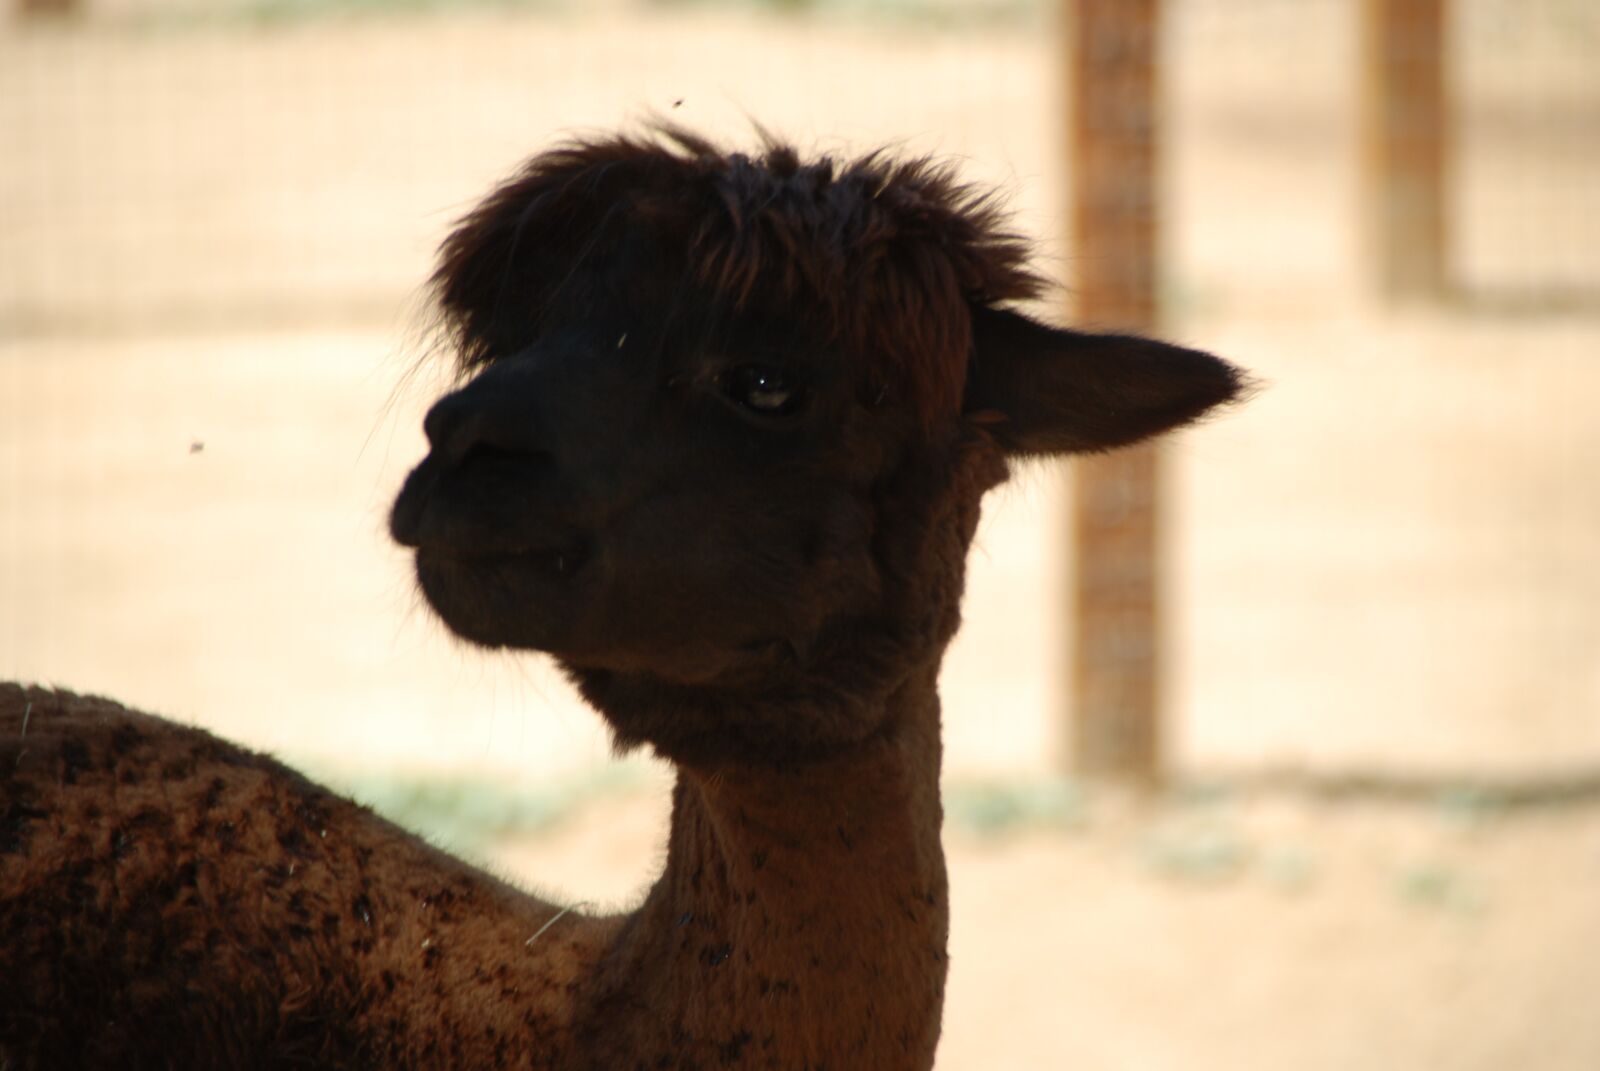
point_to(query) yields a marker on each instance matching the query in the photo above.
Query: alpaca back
(170, 900)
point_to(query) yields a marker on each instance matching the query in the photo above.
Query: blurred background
(1374, 836)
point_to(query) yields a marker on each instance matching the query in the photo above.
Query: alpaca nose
(476, 420)
(450, 428)
(488, 483)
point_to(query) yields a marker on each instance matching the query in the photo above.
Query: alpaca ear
(1047, 390)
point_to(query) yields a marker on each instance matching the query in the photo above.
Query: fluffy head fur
(884, 255)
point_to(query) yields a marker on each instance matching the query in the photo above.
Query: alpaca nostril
(438, 420)
(448, 427)
(461, 429)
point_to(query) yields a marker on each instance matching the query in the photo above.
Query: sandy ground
(1385, 562)
(196, 524)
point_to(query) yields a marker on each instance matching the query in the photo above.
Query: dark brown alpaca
(728, 424)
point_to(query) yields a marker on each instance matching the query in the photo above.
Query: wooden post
(1115, 688)
(29, 9)
(1405, 146)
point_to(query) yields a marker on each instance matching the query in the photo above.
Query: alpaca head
(727, 423)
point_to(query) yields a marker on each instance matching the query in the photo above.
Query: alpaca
(725, 425)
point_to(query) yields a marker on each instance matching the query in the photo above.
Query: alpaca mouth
(447, 537)
(562, 560)
(521, 598)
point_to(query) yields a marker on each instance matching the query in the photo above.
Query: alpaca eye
(762, 388)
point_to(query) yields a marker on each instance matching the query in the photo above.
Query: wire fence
(1384, 560)
(166, 162)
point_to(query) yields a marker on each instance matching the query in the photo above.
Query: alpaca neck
(803, 912)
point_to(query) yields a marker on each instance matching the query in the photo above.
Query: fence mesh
(1383, 560)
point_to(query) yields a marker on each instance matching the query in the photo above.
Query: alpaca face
(638, 494)
(728, 423)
